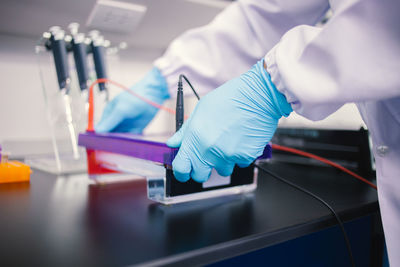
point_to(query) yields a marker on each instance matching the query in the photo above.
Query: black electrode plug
(179, 101)
(179, 105)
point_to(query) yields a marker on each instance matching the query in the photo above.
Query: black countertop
(66, 221)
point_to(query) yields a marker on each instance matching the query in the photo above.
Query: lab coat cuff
(276, 78)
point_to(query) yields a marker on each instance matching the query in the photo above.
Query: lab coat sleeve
(355, 57)
(239, 36)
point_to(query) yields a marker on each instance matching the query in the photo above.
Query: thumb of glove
(176, 140)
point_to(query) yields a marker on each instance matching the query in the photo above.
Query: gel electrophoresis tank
(149, 157)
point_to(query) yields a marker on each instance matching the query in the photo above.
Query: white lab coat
(355, 57)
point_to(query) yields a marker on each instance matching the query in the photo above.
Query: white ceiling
(164, 20)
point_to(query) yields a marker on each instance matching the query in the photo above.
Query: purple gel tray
(147, 147)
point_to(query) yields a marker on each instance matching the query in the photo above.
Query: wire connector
(179, 115)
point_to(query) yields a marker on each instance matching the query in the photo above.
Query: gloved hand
(127, 113)
(230, 125)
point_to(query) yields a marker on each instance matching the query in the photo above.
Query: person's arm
(355, 57)
(211, 55)
(239, 36)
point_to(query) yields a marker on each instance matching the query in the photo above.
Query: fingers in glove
(182, 167)
(176, 139)
(110, 119)
(244, 164)
(224, 168)
(200, 171)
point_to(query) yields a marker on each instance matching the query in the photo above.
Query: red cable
(326, 161)
(90, 128)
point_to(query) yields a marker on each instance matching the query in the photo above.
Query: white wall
(22, 112)
(21, 104)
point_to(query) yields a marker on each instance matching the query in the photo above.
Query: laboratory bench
(70, 221)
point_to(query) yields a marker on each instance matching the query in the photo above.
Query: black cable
(320, 200)
(187, 80)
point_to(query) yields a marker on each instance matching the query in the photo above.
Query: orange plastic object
(14, 171)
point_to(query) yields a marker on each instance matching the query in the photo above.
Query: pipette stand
(66, 157)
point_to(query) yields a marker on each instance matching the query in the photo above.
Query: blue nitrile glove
(230, 125)
(127, 113)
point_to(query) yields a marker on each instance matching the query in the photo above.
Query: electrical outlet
(116, 16)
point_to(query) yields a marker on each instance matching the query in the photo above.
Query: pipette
(98, 46)
(80, 55)
(58, 47)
